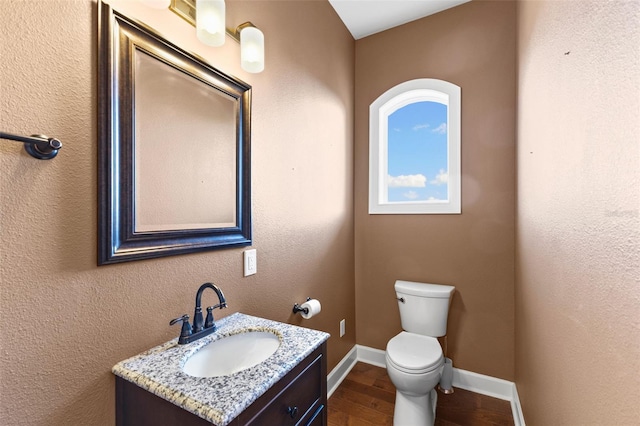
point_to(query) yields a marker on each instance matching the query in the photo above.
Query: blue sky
(417, 155)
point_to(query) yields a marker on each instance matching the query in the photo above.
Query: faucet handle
(208, 322)
(186, 327)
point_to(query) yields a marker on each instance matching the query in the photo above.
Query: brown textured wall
(66, 322)
(578, 250)
(473, 46)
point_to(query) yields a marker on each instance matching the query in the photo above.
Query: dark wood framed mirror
(174, 172)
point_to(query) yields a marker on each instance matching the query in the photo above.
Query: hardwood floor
(366, 397)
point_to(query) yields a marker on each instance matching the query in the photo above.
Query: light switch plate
(250, 262)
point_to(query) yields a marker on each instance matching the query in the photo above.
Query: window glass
(417, 153)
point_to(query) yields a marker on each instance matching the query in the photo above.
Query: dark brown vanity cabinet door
(299, 399)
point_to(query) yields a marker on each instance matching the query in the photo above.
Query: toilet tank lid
(424, 289)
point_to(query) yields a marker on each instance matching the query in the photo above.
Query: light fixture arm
(235, 34)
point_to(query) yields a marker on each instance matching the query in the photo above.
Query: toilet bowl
(414, 365)
(414, 358)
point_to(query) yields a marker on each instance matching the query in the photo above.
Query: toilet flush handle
(400, 299)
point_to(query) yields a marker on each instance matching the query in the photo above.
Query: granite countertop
(219, 399)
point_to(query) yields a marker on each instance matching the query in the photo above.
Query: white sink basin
(232, 354)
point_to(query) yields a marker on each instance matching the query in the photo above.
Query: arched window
(414, 149)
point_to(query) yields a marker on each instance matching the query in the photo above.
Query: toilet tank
(425, 307)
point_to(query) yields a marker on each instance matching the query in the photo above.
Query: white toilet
(414, 357)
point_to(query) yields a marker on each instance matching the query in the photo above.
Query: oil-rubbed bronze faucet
(190, 333)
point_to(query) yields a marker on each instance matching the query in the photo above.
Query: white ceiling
(366, 17)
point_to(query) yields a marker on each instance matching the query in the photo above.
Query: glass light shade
(157, 4)
(252, 50)
(210, 24)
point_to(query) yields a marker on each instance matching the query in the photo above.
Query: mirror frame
(118, 39)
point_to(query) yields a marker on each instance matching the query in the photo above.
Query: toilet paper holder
(297, 308)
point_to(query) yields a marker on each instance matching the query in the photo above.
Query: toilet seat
(414, 353)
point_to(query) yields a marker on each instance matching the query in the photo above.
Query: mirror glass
(174, 158)
(194, 185)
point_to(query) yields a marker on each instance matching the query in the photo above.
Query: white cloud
(420, 126)
(409, 181)
(412, 195)
(441, 129)
(441, 178)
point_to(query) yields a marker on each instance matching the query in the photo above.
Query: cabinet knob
(292, 411)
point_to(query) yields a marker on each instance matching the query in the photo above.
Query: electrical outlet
(342, 327)
(250, 262)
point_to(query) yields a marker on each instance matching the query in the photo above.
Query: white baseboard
(337, 375)
(490, 386)
(516, 408)
(468, 380)
(371, 356)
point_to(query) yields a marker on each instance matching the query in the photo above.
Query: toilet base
(415, 410)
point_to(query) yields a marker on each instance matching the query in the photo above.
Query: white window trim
(424, 89)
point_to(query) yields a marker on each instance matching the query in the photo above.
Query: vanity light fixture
(208, 16)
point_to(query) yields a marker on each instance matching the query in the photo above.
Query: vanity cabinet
(298, 399)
